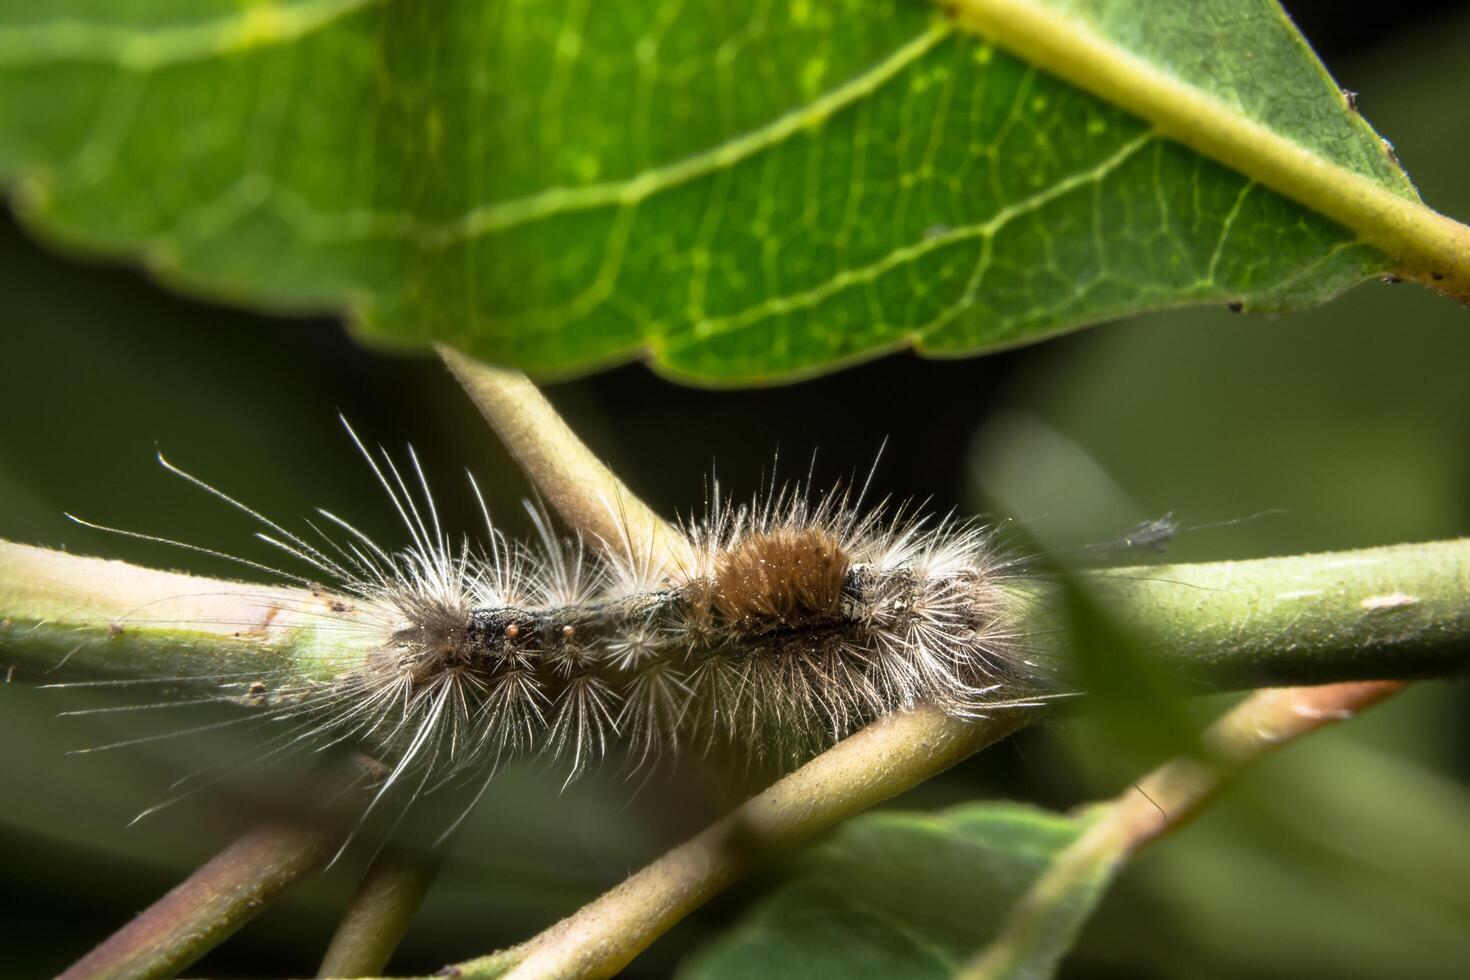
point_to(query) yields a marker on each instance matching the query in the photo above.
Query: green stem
(212, 903)
(587, 495)
(62, 615)
(235, 885)
(1394, 612)
(1398, 612)
(381, 911)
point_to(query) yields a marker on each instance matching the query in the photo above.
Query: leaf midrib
(1423, 244)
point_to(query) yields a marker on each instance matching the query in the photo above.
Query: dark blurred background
(1344, 857)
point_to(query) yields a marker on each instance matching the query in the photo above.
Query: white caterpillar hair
(782, 626)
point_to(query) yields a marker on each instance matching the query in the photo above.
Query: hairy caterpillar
(778, 627)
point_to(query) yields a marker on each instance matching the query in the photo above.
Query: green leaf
(903, 895)
(738, 192)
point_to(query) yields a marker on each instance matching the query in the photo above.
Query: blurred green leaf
(897, 895)
(1135, 716)
(738, 192)
(1136, 711)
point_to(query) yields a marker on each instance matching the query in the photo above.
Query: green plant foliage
(903, 895)
(738, 192)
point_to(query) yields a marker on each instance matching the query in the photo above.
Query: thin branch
(92, 618)
(212, 903)
(584, 491)
(236, 884)
(382, 909)
(1425, 245)
(1396, 612)
(881, 761)
(1163, 802)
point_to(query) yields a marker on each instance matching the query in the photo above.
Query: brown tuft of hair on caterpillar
(780, 579)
